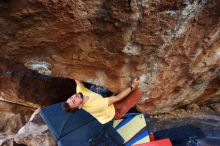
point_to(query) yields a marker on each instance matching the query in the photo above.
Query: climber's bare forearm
(123, 93)
(78, 82)
(120, 96)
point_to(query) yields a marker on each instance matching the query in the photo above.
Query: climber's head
(73, 103)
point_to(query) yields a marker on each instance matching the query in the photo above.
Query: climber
(103, 109)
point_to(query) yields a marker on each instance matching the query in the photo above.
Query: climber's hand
(135, 83)
(78, 82)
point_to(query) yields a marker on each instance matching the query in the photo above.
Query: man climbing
(103, 109)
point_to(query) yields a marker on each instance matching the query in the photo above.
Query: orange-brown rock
(173, 46)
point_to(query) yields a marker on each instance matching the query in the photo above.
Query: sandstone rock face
(12, 119)
(11, 123)
(6, 140)
(35, 133)
(216, 107)
(173, 46)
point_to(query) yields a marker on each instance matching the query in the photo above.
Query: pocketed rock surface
(173, 46)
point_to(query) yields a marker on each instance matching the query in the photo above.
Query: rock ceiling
(173, 46)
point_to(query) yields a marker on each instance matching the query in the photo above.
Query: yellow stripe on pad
(143, 140)
(130, 129)
(116, 122)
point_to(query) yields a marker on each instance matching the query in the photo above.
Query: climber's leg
(123, 106)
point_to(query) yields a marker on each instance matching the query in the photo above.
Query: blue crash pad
(79, 128)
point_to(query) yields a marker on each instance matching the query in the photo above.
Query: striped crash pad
(133, 129)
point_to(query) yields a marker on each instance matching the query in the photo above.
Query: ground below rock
(206, 120)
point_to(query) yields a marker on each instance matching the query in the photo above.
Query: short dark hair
(81, 95)
(67, 109)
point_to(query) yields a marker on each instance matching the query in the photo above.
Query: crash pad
(79, 128)
(132, 127)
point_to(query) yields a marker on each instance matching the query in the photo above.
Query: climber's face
(75, 101)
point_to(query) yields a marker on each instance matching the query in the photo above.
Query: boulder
(6, 140)
(216, 107)
(35, 133)
(13, 117)
(173, 46)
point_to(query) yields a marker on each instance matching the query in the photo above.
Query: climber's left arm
(124, 93)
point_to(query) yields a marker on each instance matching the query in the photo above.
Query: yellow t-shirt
(96, 105)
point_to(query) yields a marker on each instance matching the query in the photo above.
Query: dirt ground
(204, 118)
